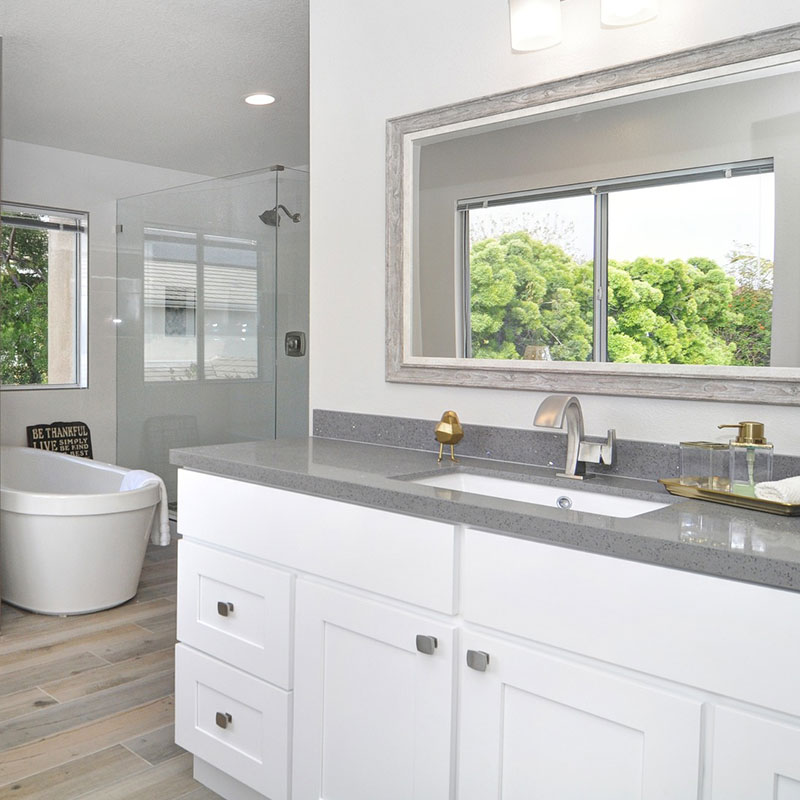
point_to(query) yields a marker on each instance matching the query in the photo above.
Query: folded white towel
(139, 478)
(785, 491)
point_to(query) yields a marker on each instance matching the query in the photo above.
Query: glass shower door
(201, 297)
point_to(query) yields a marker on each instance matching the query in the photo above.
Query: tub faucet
(551, 414)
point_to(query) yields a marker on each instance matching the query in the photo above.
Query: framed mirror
(631, 231)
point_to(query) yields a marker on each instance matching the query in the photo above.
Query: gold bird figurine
(449, 431)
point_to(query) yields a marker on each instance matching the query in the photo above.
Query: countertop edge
(580, 531)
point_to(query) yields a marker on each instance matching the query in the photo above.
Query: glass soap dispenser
(750, 458)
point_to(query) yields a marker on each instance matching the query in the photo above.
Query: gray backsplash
(648, 460)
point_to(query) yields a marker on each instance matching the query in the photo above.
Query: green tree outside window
(23, 306)
(526, 293)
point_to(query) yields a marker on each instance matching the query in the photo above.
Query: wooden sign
(62, 437)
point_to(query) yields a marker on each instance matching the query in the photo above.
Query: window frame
(80, 311)
(600, 190)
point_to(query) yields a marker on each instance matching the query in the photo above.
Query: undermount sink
(610, 505)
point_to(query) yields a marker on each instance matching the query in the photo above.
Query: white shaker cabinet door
(373, 702)
(754, 758)
(533, 725)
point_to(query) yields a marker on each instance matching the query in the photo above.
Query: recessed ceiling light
(259, 99)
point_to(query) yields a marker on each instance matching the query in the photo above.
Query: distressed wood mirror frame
(405, 134)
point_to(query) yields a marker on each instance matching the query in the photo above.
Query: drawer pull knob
(426, 644)
(223, 720)
(223, 609)
(478, 660)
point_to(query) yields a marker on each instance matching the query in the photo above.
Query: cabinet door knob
(477, 659)
(223, 609)
(223, 719)
(426, 644)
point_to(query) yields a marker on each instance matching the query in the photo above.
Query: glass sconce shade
(535, 24)
(616, 13)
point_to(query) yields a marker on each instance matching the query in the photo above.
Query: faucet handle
(598, 452)
(607, 449)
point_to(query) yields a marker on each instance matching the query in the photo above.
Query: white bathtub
(70, 541)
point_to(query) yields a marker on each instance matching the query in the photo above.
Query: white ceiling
(159, 82)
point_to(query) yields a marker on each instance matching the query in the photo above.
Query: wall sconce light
(536, 24)
(616, 13)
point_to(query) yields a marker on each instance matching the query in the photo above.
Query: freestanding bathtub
(70, 541)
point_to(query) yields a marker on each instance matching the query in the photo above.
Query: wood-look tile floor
(86, 702)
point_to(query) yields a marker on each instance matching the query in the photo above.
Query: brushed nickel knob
(427, 644)
(223, 719)
(223, 609)
(477, 660)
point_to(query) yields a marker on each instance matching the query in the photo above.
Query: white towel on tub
(139, 478)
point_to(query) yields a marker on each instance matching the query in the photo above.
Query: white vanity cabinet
(686, 684)
(364, 654)
(374, 689)
(316, 654)
(536, 725)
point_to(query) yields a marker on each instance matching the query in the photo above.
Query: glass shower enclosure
(212, 312)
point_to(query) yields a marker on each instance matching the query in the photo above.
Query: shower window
(230, 298)
(200, 282)
(43, 304)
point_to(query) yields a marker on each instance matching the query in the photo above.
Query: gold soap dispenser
(750, 458)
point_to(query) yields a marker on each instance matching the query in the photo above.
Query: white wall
(371, 61)
(76, 181)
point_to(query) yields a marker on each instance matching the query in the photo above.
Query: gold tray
(674, 486)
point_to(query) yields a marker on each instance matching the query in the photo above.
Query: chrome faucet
(551, 414)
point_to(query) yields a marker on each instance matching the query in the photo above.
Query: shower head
(271, 216)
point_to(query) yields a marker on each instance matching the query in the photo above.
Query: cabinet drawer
(237, 610)
(232, 720)
(715, 634)
(406, 558)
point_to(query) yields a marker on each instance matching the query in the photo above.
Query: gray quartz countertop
(687, 534)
